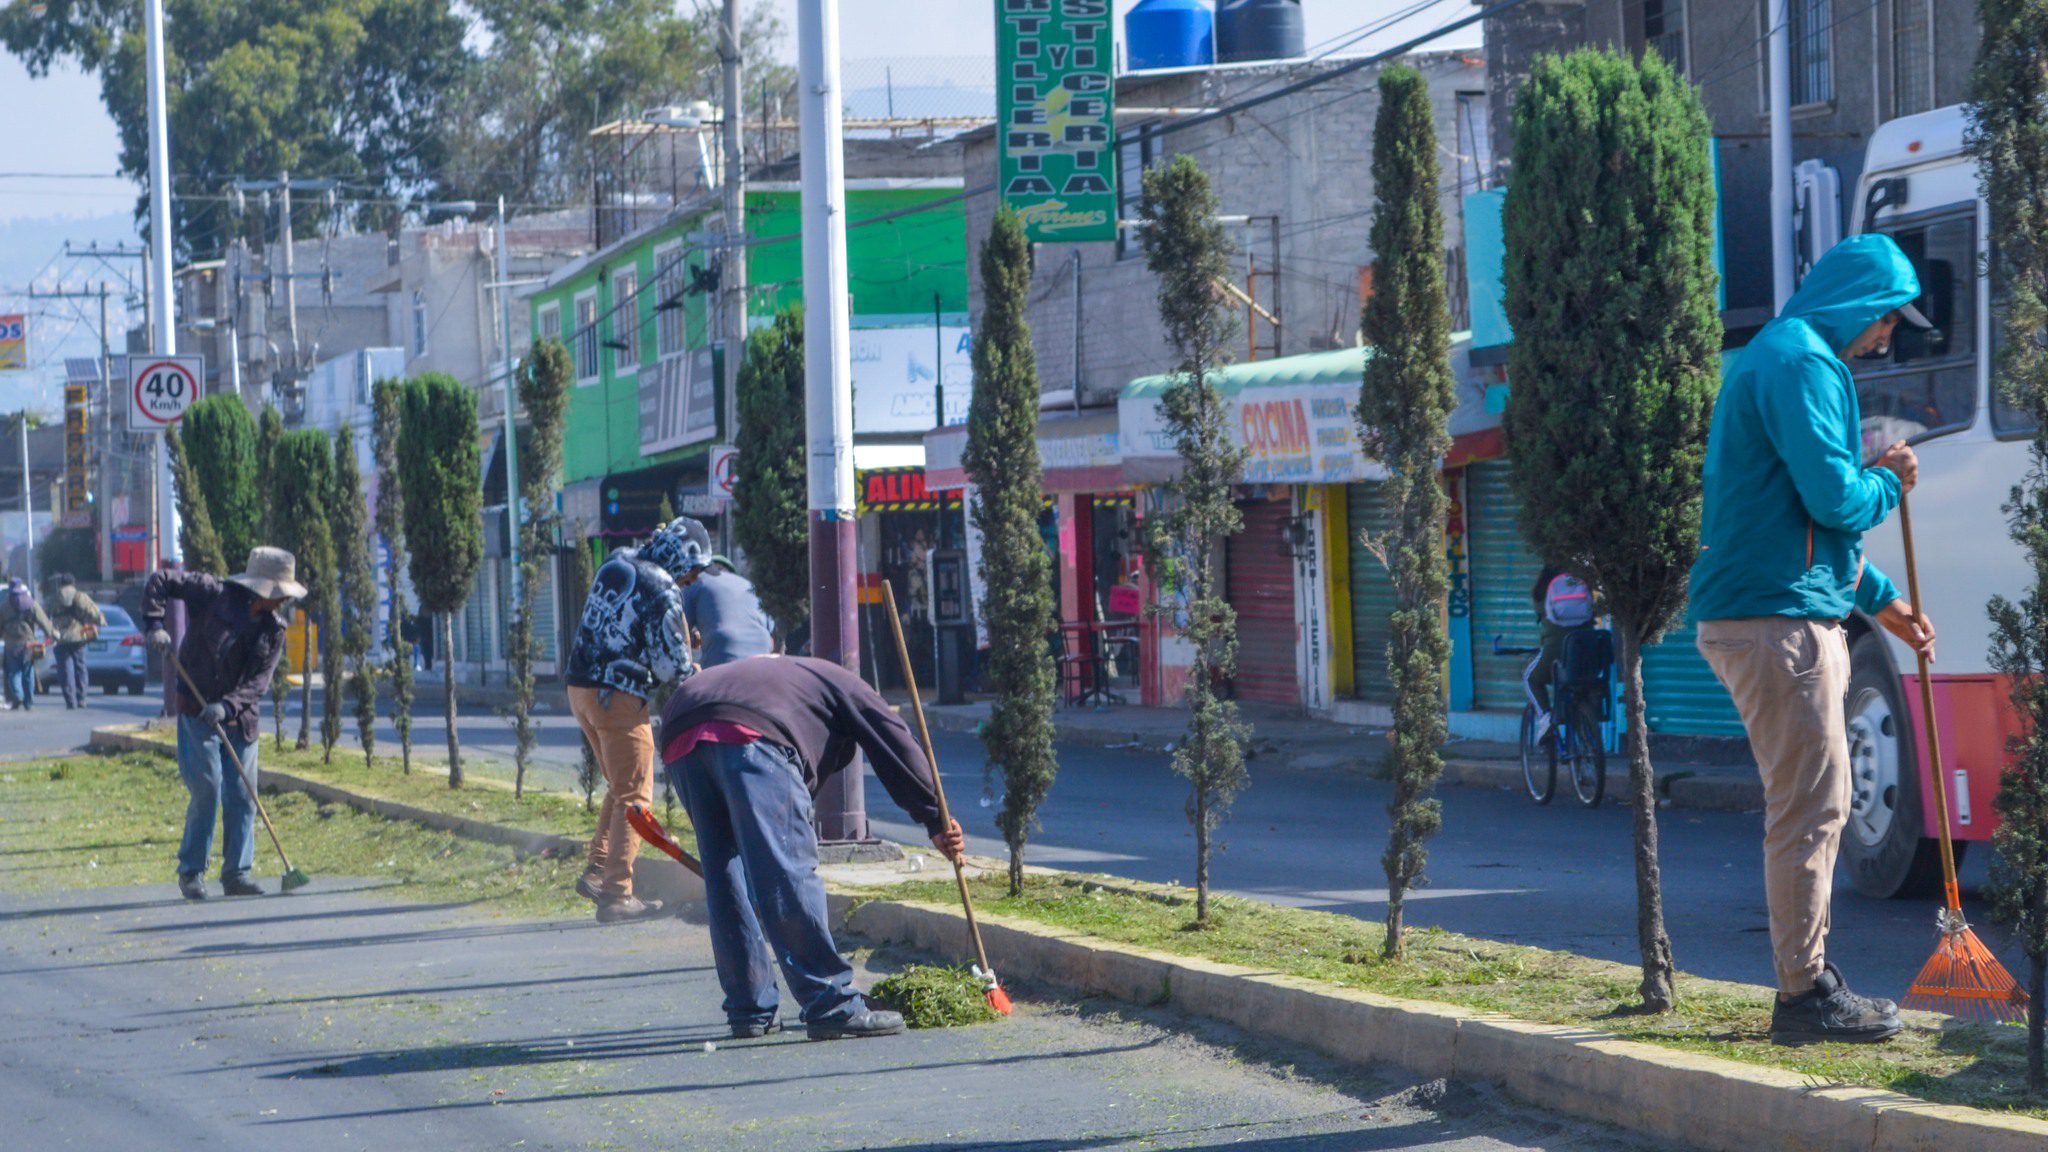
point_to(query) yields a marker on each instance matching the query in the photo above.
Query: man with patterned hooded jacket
(629, 642)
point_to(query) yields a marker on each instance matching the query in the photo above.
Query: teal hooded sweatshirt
(1787, 497)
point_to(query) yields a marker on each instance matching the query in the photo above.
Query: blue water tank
(1169, 34)
(1259, 30)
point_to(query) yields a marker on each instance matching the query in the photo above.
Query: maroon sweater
(818, 710)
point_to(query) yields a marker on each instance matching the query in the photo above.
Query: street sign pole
(162, 314)
(828, 376)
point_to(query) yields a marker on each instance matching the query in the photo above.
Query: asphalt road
(1556, 877)
(339, 1019)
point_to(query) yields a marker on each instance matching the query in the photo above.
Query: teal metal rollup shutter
(1504, 569)
(1372, 591)
(1681, 693)
(1259, 583)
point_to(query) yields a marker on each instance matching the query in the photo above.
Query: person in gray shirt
(724, 613)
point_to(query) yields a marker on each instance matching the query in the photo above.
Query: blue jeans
(71, 675)
(212, 780)
(21, 675)
(760, 856)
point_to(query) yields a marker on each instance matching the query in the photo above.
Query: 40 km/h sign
(161, 388)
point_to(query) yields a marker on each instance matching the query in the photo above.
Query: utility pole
(291, 286)
(1781, 153)
(511, 433)
(828, 372)
(163, 319)
(28, 515)
(104, 505)
(733, 274)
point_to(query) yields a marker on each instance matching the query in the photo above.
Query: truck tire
(1882, 848)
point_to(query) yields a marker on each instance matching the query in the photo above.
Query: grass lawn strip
(1950, 1062)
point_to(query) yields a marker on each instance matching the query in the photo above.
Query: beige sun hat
(270, 574)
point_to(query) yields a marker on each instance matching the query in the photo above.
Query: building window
(550, 323)
(625, 341)
(670, 276)
(1812, 35)
(585, 337)
(419, 323)
(1912, 56)
(1664, 31)
(1136, 152)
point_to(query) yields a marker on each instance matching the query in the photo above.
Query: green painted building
(639, 318)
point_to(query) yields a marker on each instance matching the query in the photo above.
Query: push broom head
(293, 879)
(1963, 979)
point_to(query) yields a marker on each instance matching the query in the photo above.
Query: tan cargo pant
(624, 741)
(1789, 678)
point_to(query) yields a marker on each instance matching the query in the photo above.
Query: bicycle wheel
(1539, 759)
(1589, 753)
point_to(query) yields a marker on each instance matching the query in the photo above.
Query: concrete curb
(1666, 1094)
(654, 875)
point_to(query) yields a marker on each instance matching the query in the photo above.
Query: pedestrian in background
(1787, 501)
(24, 627)
(631, 641)
(78, 621)
(234, 637)
(721, 607)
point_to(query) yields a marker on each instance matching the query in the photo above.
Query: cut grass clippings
(1978, 1065)
(102, 821)
(934, 996)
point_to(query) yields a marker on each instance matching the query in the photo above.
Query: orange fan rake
(1962, 978)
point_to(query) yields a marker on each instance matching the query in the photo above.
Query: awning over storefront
(1291, 415)
(1079, 452)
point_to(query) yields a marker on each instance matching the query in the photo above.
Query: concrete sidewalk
(1288, 739)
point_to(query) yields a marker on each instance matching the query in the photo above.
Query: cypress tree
(443, 475)
(220, 439)
(2009, 135)
(391, 527)
(582, 573)
(196, 537)
(1610, 287)
(544, 393)
(358, 582)
(1002, 460)
(269, 429)
(1404, 411)
(303, 476)
(1186, 249)
(770, 498)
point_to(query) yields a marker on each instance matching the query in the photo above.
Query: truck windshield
(1926, 382)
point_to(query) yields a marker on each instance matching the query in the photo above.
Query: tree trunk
(1201, 855)
(448, 698)
(2037, 1015)
(305, 680)
(1658, 968)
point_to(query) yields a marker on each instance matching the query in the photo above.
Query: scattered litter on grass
(709, 1047)
(934, 996)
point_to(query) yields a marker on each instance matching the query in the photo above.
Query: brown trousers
(1789, 678)
(623, 739)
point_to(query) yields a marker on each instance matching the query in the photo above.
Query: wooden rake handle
(1935, 775)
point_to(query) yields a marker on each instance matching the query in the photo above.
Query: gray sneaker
(867, 1022)
(626, 909)
(1878, 1004)
(1830, 1013)
(754, 1029)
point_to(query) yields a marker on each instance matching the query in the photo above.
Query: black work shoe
(1830, 1013)
(239, 885)
(1878, 1004)
(586, 887)
(862, 1024)
(627, 908)
(190, 887)
(752, 1030)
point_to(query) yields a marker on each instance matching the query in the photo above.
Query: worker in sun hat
(1787, 500)
(233, 640)
(631, 641)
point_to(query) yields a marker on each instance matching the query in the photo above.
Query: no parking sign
(161, 388)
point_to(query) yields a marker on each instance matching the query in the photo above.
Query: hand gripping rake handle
(1939, 778)
(228, 746)
(924, 734)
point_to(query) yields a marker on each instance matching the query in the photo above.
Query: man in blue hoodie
(1781, 565)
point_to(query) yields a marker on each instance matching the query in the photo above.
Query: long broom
(991, 988)
(293, 877)
(1963, 978)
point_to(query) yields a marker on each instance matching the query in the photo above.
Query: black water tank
(1258, 30)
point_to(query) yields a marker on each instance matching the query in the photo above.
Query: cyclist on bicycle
(1564, 604)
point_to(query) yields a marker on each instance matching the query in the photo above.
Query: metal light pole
(511, 432)
(733, 274)
(162, 318)
(828, 375)
(28, 515)
(1781, 153)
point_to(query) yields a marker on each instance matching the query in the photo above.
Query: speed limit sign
(160, 389)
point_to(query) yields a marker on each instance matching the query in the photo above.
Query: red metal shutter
(1259, 583)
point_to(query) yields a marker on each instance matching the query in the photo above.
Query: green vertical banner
(1054, 69)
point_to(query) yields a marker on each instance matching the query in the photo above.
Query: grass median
(1977, 1065)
